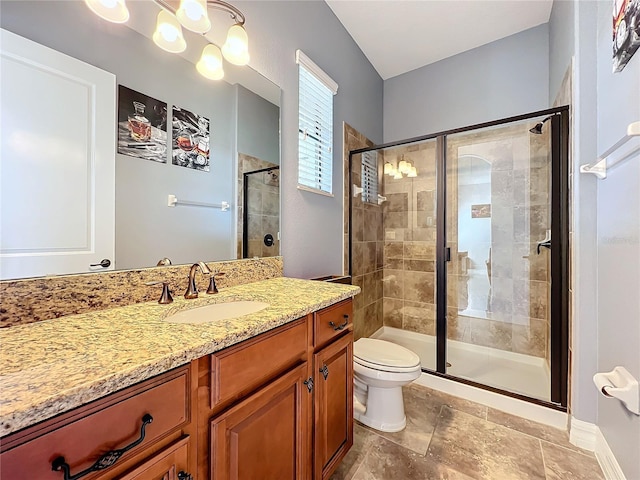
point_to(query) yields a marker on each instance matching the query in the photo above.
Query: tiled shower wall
(263, 204)
(409, 281)
(367, 248)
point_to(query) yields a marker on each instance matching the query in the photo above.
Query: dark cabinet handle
(106, 460)
(184, 476)
(324, 371)
(342, 325)
(105, 263)
(309, 383)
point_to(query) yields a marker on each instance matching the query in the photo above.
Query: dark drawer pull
(324, 371)
(184, 476)
(106, 460)
(342, 325)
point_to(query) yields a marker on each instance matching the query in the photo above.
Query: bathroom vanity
(267, 395)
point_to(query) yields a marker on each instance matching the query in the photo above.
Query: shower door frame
(559, 203)
(245, 206)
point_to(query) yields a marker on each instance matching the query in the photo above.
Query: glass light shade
(111, 10)
(387, 168)
(210, 63)
(397, 175)
(412, 173)
(192, 14)
(404, 167)
(168, 34)
(236, 47)
(392, 170)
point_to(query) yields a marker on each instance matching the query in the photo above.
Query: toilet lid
(384, 354)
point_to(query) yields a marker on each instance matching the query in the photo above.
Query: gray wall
(572, 34)
(618, 242)
(258, 126)
(146, 229)
(561, 44)
(501, 79)
(312, 225)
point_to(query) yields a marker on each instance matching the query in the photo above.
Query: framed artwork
(482, 210)
(626, 32)
(190, 145)
(142, 125)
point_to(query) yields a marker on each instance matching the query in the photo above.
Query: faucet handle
(166, 297)
(212, 282)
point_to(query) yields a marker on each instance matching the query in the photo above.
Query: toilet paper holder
(620, 384)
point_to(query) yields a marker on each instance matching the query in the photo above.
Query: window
(370, 177)
(315, 126)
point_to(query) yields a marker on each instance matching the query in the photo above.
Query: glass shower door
(498, 275)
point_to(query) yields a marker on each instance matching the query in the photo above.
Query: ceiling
(398, 36)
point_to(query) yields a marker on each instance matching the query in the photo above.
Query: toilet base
(384, 410)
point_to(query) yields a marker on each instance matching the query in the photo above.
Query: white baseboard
(607, 459)
(583, 434)
(588, 436)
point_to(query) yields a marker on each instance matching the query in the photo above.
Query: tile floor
(448, 438)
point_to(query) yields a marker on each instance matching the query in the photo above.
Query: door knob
(105, 263)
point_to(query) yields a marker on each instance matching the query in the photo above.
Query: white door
(57, 162)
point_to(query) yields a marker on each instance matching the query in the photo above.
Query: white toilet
(380, 371)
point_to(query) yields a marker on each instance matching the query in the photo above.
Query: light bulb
(114, 11)
(192, 14)
(210, 63)
(168, 34)
(236, 47)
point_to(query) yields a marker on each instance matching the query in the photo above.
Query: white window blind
(370, 177)
(315, 126)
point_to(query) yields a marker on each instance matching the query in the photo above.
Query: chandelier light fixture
(192, 15)
(403, 168)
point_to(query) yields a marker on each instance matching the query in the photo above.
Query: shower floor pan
(514, 372)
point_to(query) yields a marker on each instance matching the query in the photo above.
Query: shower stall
(459, 241)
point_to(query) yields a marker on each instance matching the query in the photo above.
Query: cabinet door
(333, 370)
(166, 465)
(266, 436)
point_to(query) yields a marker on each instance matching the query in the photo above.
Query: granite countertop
(50, 367)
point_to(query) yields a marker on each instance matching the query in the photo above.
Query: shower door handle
(546, 244)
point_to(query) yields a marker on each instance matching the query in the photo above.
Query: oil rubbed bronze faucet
(192, 291)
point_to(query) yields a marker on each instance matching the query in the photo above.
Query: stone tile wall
(367, 247)
(409, 281)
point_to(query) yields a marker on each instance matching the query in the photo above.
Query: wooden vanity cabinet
(113, 423)
(279, 406)
(333, 388)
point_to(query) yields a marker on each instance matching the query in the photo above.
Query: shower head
(538, 128)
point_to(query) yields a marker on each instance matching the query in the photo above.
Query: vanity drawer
(111, 423)
(240, 369)
(332, 321)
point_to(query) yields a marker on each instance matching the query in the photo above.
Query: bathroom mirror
(242, 113)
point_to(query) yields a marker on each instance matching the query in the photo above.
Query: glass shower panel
(498, 218)
(261, 213)
(407, 195)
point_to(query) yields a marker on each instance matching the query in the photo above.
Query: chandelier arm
(236, 14)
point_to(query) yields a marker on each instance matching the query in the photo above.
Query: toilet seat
(384, 356)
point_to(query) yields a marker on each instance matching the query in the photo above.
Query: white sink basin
(217, 311)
